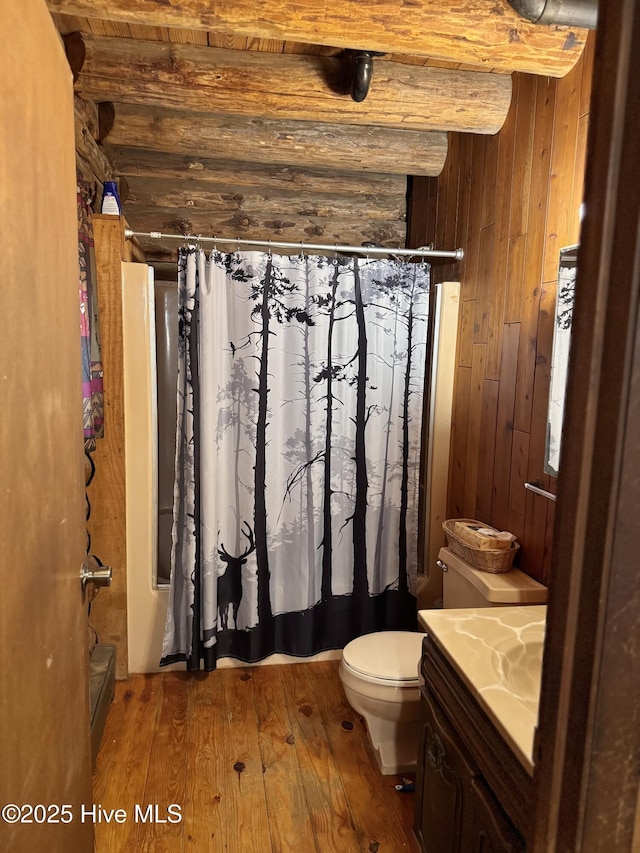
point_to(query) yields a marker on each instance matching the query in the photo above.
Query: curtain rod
(422, 252)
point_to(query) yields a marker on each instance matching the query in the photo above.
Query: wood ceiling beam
(488, 33)
(291, 228)
(135, 162)
(305, 144)
(289, 86)
(218, 199)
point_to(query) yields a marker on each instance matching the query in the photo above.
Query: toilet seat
(387, 658)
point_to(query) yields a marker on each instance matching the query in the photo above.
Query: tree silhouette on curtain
(298, 455)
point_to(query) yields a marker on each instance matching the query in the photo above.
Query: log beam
(138, 163)
(91, 160)
(250, 202)
(488, 33)
(305, 144)
(291, 228)
(296, 87)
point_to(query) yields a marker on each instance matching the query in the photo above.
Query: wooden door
(45, 754)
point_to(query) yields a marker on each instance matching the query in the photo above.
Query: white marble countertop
(497, 651)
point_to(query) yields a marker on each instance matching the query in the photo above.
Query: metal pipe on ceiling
(568, 13)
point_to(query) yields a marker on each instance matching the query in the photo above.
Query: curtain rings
(269, 248)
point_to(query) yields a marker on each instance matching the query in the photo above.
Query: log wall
(512, 201)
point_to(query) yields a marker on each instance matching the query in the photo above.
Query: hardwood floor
(268, 758)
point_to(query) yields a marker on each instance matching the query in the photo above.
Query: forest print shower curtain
(300, 396)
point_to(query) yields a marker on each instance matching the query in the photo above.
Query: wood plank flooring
(268, 758)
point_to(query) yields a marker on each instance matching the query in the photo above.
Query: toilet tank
(464, 586)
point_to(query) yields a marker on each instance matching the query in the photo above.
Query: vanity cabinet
(462, 760)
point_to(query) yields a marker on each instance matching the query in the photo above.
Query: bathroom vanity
(480, 682)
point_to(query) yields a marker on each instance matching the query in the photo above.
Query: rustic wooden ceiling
(215, 125)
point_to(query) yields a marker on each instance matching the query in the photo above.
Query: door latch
(94, 572)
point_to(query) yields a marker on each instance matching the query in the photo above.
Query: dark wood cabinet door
(443, 783)
(456, 812)
(489, 830)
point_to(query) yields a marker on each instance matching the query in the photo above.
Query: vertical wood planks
(518, 197)
(107, 492)
(472, 461)
(504, 425)
(488, 423)
(531, 284)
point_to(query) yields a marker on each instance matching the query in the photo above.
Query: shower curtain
(300, 393)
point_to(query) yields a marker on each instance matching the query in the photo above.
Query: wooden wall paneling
(112, 29)
(484, 286)
(577, 194)
(527, 352)
(465, 171)
(520, 184)
(534, 539)
(473, 429)
(453, 183)
(432, 210)
(489, 183)
(516, 526)
(519, 464)
(465, 335)
(441, 209)
(184, 36)
(506, 146)
(449, 271)
(587, 74)
(515, 273)
(504, 226)
(541, 380)
(548, 542)
(536, 229)
(504, 425)
(459, 442)
(417, 210)
(488, 425)
(563, 173)
(472, 249)
(107, 492)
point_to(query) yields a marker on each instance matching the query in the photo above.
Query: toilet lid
(390, 655)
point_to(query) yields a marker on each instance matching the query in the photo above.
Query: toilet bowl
(379, 674)
(379, 671)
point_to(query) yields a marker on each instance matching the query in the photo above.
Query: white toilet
(379, 671)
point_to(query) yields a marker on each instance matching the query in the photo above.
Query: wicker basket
(496, 561)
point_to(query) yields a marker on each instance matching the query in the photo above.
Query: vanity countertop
(497, 651)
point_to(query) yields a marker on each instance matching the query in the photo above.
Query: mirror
(567, 269)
